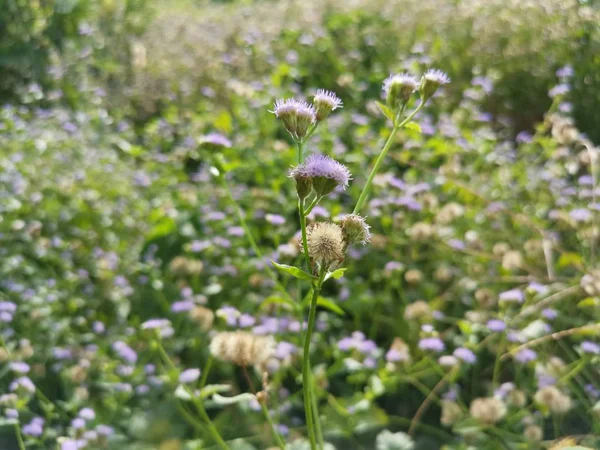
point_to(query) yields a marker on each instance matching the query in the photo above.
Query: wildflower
(296, 116)
(432, 343)
(215, 141)
(590, 347)
(398, 89)
(162, 325)
(325, 243)
(431, 81)
(22, 384)
(242, 348)
(488, 410)
(451, 413)
(399, 351)
(322, 173)
(325, 102)
(417, 310)
(512, 260)
(413, 276)
(526, 355)
(355, 229)
(553, 399)
(517, 398)
(465, 354)
(533, 433)
(388, 440)
(496, 325)
(203, 316)
(447, 361)
(189, 375)
(513, 295)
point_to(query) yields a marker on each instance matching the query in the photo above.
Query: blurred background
(110, 215)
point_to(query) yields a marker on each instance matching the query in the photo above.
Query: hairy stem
(302, 214)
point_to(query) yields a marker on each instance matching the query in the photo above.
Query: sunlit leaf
(294, 271)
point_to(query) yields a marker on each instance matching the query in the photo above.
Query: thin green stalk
(315, 411)
(312, 205)
(306, 382)
(388, 144)
(19, 437)
(300, 151)
(280, 442)
(496, 373)
(303, 227)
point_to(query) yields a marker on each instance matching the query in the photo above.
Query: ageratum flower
(431, 82)
(398, 89)
(296, 115)
(325, 102)
(325, 243)
(322, 173)
(355, 229)
(215, 141)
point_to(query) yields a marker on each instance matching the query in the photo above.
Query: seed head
(398, 89)
(431, 82)
(325, 102)
(488, 410)
(553, 399)
(355, 229)
(325, 173)
(326, 244)
(242, 348)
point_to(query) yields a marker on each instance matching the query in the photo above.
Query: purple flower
(432, 343)
(394, 355)
(69, 444)
(321, 166)
(125, 352)
(345, 344)
(182, 306)
(581, 215)
(216, 140)
(513, 295)
(162, 325)
(246, 320)
(22, 383)
(189, 375)
(465, 354)
(34, 428)
(549, 314)
(87, 414)
(275, 219)
(19, 367)
(285, 349)
(590, 347)
(526, 355)
(496, 325)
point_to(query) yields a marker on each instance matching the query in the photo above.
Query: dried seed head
(488, 410)
(553, 399)
(325, 243)
(242, 348)
(203, 316)
(355, 229)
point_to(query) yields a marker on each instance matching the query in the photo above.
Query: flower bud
(296, 116)
(431, 82)
(325, 102)
(398, 89)
(324, 173)
(303, 186)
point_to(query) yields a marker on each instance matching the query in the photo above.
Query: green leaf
(220, 400)
(294, 271)
(413, 126)
(330, 305)
(387, 112)
(336, 274)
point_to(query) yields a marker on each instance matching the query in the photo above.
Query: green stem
(312, 205)
(302, 214)
(306, 380)
(19, 437)
(280, 442)
(315, 411)
(388, 144)
(300, 151)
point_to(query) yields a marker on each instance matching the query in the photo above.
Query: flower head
(215, 140)
(324, 173)
(325, 102)
(355, 229)
(398, 89)
(431, 82)
(488, 410)
(296, 115)
(242, 348)
(325, 243)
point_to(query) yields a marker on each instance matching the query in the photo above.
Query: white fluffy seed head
(325, 243)
(242, 348)
(488, 410)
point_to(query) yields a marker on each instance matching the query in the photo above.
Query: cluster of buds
(398, 88)
(321, 174)
(298, 116)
